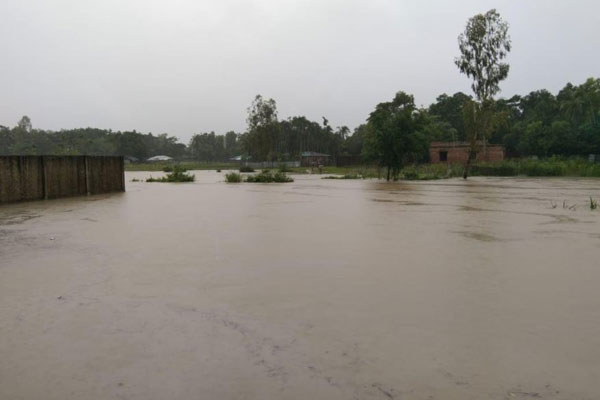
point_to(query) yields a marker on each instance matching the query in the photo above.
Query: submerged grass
(233, 177)
(573, 167)
(267, 177)
(178, 175)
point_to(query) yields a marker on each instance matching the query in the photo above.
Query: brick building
(313, 159)
(458, 152)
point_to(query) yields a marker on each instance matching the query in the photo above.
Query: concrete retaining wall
(47, 177)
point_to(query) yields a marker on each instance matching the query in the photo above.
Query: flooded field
(317, 289)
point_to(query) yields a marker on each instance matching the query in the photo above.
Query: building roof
(313, 154)
(160, 158)
(240, 158)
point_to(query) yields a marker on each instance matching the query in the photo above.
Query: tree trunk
(472, 155)
(388, 173)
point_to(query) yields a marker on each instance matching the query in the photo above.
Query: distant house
(240, 158)
(159, 158)
(458, 152)
(313, 159)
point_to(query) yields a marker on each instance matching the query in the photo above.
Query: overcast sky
(191, 66)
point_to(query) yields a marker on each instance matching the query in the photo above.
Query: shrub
(245, 168)
(167, 168)
(233, 177)
(268, 177)
(178, 175)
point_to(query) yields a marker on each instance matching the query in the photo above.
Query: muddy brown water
(316, 289)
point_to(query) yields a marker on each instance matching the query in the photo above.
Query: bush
(245, 168)
(167, 168)
(233, 177)
(178, 175)
(268, 177)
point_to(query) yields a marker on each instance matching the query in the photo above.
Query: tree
(231, 144)
(263, 129)
(483, 45)
(449, 109)
(24, 124)
(395, 136)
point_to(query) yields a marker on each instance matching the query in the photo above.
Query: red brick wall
(460, 154)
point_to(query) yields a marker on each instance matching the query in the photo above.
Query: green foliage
(24, 140)
(395, 134)
(178, 175)
(212, 147)
(524, 167)
(245, 168)
(268, 177)
(233, 177)
(483, 45)
(449, 111)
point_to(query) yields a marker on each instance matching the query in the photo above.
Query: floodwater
(317, 289)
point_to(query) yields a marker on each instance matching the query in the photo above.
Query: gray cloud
(187, 66)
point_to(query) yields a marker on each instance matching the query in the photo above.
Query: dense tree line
(539, 123)
(24, 140)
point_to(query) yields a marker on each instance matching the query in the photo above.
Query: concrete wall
(459, 152)
(47, 177)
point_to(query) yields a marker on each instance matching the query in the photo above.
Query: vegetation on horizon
(396, 133)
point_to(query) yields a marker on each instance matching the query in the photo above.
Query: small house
(458, 152)
(313, 159)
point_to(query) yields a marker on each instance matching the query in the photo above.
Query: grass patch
(284, 168)
(178, 175)
(233, 177)
(574, 167)
(245, 168)
(267, 177)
